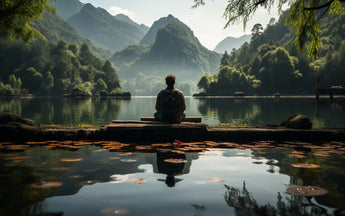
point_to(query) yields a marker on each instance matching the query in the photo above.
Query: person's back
(170, 103)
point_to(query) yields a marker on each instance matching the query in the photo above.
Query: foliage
(276, 66)
(304, 17)
(228, 81)
(16, 18)
(56, 29)
(44, 68)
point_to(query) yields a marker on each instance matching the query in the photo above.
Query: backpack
(170, 106)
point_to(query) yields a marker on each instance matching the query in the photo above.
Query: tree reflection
(244, 204)
(230, 111)
(16, 197)
(67, 111)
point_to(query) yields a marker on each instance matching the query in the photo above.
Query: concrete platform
(153, 131)
(156, 132)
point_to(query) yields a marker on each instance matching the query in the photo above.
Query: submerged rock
(297, 121)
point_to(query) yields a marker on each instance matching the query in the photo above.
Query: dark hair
(170, 80)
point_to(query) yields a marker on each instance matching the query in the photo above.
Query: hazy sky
(206, 22)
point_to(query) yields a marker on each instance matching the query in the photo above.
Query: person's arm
(158, 104)
(183, 102)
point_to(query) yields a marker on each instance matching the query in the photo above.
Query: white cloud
(113, 10)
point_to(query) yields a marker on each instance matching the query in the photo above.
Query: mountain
(98, 25)
(125, 18)
(176, 50)
(54, 28)
(230, 43)
(66, 8)
(150, 36)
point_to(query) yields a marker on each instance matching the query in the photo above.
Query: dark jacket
(178, 114)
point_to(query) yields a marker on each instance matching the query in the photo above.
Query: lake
(94, 181)
(284, 178)
(216, 110)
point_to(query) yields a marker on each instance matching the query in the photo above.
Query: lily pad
(175, 160)
(138, 181)
(71, 159)
(60, 168)
(306, 165)
(114, 158)
(46, 184)
(296, 156)
(110, 211)
(128, 160)
(308, 191)
(75, 176)
(216, 180)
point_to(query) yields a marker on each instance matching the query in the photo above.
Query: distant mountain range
(125, 18)
(100, 26)
(66, 8)
(230, 43)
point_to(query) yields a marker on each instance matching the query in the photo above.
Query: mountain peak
(150, 36)
(230, 43)
(100, 26)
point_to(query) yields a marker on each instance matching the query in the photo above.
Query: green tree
(100, 85)
(33, 79)
(257, 30)
(278, 72)
(16, 18)
(14, 82)
(204, 82)
(225, 61)
(113, 81)
(304, 16)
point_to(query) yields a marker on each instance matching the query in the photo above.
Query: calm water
(215, 182)
(247, 111)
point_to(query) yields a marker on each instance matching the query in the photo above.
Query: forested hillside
(98, 25)
(55, 29)
(175, 50)
(44, 68)
(270, 63)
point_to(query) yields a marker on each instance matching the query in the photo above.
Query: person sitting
(170, 103)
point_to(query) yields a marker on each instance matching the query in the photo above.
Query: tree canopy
(17, 16)
(304, 17)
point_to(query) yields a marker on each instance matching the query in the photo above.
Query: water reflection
(263, 111)
(96, 181)
(234, 111)
(245, 204)
(171, 164)
(64, 111)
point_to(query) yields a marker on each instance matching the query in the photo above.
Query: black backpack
(170, 106)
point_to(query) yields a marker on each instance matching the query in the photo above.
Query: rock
(14, 126)
(297, 121)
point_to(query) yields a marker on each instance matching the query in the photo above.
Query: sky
(206, 22)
